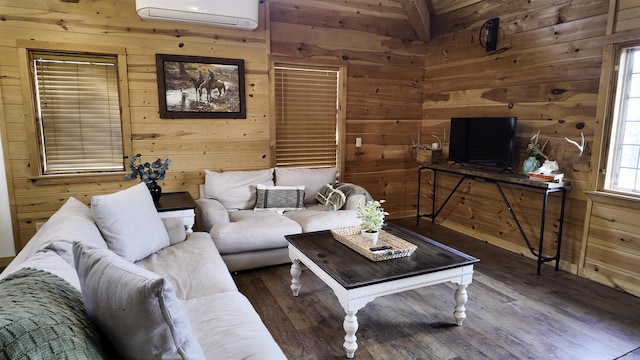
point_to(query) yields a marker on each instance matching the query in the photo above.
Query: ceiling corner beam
(419, 16)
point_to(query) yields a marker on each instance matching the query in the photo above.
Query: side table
(180, 205)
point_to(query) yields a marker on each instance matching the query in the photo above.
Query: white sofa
(249, 230)
(115, 280)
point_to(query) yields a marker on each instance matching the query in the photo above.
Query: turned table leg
(295, 276)
(350, 326)
(461, 300)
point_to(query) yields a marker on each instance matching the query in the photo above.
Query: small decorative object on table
(531, 163)
(149, 173)
(428, 153)
(389, 246)
(372, 216)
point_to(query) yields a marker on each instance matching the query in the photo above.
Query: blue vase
(530, 164)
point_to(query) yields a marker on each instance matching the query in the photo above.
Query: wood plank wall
(385, 63)
(546, 72)
(193, 145)
(374, 40)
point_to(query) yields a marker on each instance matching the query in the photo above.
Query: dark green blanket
(42, 317)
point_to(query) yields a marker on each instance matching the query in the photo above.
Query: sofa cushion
(175, 229)
(129, 222)
(279, 198)
(136, 309)
(72, 222)
(253, 231)
(42, 317)
(312, 178)
(317, 218)
(49, 261)
(194, 267)
(228, 327)
(236, 190)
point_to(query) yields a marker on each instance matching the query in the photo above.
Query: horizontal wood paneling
(546, 73)
(193, 145)
(385, 70)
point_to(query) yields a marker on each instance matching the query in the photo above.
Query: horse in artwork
(209, 85)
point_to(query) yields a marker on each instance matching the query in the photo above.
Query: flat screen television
(488, 141)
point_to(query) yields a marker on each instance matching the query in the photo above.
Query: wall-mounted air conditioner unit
(237, 14)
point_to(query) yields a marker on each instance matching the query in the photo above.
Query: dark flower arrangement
(149, 173)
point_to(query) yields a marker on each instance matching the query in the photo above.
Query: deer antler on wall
(536, 146)
(581, 146)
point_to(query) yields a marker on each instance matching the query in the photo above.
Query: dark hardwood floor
(512, 313)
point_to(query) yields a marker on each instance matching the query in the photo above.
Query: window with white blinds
(306, 102)
(78, 109)
(623, 164)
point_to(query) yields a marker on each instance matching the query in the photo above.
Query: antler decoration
(536, 146)
(580, 147)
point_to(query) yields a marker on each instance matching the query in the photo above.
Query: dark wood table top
(352, 270)
(172, 201)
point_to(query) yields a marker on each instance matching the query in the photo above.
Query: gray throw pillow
(279, 198)
(130, 223)
(136, 309)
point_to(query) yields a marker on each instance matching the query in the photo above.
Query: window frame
(31, 110)
(341, 106)
(610, 80)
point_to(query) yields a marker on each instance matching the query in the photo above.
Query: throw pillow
(331, 198)
(313, 179)
(236, 190)
(130, 223)
(136, 309)
(279, 198)
(42, 317)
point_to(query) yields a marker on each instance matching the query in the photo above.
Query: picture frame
(200, 87)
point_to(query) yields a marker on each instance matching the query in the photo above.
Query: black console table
(498, 179)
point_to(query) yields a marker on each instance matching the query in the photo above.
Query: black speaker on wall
(489, 33)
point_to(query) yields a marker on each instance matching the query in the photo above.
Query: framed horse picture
(200, 87)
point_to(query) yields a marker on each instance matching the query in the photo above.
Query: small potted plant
(372, 215)
(149, 173)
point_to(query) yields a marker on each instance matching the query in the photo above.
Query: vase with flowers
(372, 215)
(531, 163)
(149, 173)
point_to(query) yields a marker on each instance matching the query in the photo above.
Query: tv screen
(488, 141)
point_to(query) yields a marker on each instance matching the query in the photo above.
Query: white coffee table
(356, 280)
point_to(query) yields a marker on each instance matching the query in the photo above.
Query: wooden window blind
(306, 101)
(78, 116)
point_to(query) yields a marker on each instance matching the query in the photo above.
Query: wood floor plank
(512, 313)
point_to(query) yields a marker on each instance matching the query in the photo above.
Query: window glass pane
(628, 179)
(78, 112)
(633, 109)
(634, 90)
(629, 156)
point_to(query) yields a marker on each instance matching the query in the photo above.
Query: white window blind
(623, 165)
(306, 116)
(78, 112)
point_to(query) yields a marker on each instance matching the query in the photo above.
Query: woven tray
(353, 238)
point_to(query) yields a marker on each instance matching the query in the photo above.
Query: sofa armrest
(210, 212)
(175, 229)
(354, 200)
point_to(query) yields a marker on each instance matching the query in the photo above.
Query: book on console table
(553, 177)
